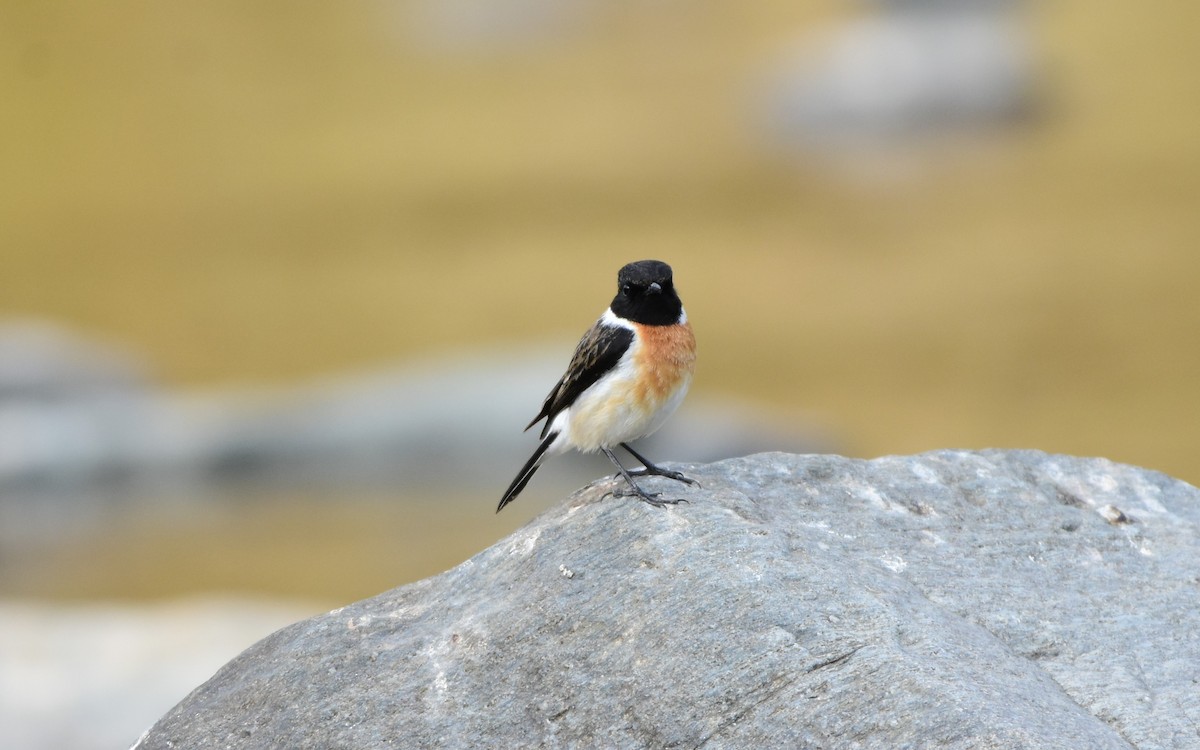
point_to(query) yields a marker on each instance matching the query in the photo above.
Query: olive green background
(265, 192)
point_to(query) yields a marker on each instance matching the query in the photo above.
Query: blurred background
(283, 283)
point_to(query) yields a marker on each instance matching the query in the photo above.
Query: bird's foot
(651, 498)
(658, 471)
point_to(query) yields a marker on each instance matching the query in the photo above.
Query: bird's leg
(635, 491)
(658, 471)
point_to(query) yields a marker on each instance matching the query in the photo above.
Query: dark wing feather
(599, 351)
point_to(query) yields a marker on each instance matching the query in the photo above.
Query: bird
(629, 373)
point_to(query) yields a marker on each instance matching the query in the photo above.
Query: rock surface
(951, 600)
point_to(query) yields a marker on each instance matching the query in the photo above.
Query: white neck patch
(610, 318)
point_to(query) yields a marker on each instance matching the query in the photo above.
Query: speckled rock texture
(988, 599)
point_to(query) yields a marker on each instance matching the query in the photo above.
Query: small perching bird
(629, 373)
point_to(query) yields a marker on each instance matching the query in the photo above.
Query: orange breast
(667, 357)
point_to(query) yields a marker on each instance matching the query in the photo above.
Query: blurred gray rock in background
(491, 26)
(911, 71)
(90, 676)
(953, 600)
(81, 429)
(42, 362)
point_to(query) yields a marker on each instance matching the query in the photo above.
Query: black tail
(526, 472)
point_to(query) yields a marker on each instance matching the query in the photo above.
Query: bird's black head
(646, 294)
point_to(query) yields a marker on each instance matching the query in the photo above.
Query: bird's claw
(678, 476)
(650, 498)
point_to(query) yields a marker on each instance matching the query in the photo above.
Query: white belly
(608, 413)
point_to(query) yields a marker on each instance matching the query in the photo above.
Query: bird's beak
(654, 288)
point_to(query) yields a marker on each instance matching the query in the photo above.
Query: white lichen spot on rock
(523, 542)
(925, 474)
(873, 495)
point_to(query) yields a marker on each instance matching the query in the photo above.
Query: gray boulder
(951, 600)
(899, 77)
